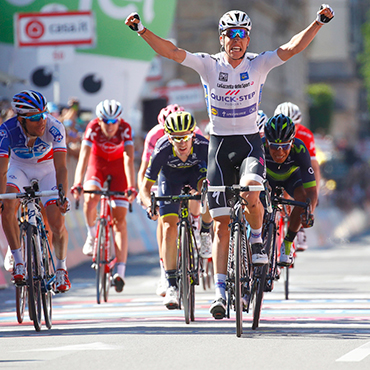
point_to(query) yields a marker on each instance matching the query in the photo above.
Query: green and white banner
(114, 68)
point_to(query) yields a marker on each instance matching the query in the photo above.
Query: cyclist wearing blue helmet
(36, 141)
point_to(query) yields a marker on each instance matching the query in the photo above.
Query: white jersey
(232, 94)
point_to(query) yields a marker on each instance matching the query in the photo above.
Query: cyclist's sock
(290, 235)
(121, 269)
(195, 221)
(171, 276)
(220, 286)
(256, 236)
(206, 227)
(17, 255)
(91, 230)
(163, 272)
(61, 264)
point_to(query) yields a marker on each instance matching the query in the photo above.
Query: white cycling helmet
(291, 110)
(108, 109)
(234, 18)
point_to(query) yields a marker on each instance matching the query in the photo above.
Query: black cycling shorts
(231, 158)
(173, 185)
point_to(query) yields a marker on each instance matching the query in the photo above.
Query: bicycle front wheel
(47, 302)
(185, 273)
(34, 278)
(238, 280)
(100, 265)
(21, 291)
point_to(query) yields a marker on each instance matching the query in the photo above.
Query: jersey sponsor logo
(233, 113)
(244, 76)
(301, 147)
(237, 86)
(311, 171)
(260, 95)
(233, 99)
(109, 147)
(126, 134)
(58, 137)
(223, 77)
(216, 196)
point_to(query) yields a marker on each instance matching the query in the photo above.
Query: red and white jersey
(153, 136)
(108, 148)
(306, 135)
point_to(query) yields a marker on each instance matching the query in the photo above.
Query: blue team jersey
(13, 138)
(164, 158)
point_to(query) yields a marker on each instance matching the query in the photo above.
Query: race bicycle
(188, 262)
(37, 254)
(275, 211)
(243, 279)
(103, 260)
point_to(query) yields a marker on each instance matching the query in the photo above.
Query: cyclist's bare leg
(9, 219)
(90, 203)
(169, 249)
(60, 234)
(160, 236)
(254, 209)
(221, 244)
(120, 233)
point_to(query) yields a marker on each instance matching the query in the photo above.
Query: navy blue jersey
(164, 158)
(298, 161)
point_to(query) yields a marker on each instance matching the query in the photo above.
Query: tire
(238, 280)
(47, 301)
(107, 270)
(185, 276)
(100, 265)
(21, 291)
(34, 278)
(286, 282)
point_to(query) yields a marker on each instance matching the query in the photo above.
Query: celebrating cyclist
(288, 165)
(180, 159)
(305, 134)
(107, 149)
(235, 153)
(36, 141)
(151, 139)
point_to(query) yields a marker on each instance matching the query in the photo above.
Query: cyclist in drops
(288, 165)
(180, 159)
(233, 81)
(107, 149)
(305, 134)
(36, 141)
(201, 235)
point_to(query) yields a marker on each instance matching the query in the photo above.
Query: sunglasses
(283, 146)
(110, 121)
(36, 117)
(232, 33)
(185, 138)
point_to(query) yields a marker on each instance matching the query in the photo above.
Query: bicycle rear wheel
(185, 275)
(47, 302)
(100, 265)
(34, 278)
(238, 280)
(21, 291)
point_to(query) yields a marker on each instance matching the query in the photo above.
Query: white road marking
(357, 354)
(97, 346)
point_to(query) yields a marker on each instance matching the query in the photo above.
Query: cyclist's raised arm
(300, 41)
(161, 46)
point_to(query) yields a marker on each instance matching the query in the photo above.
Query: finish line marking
(357, 354)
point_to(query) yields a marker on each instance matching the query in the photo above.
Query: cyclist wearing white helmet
(261, 120)
(38, 149)
(233, 81)
(305, 134)
(150, 141)
(107, 149)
